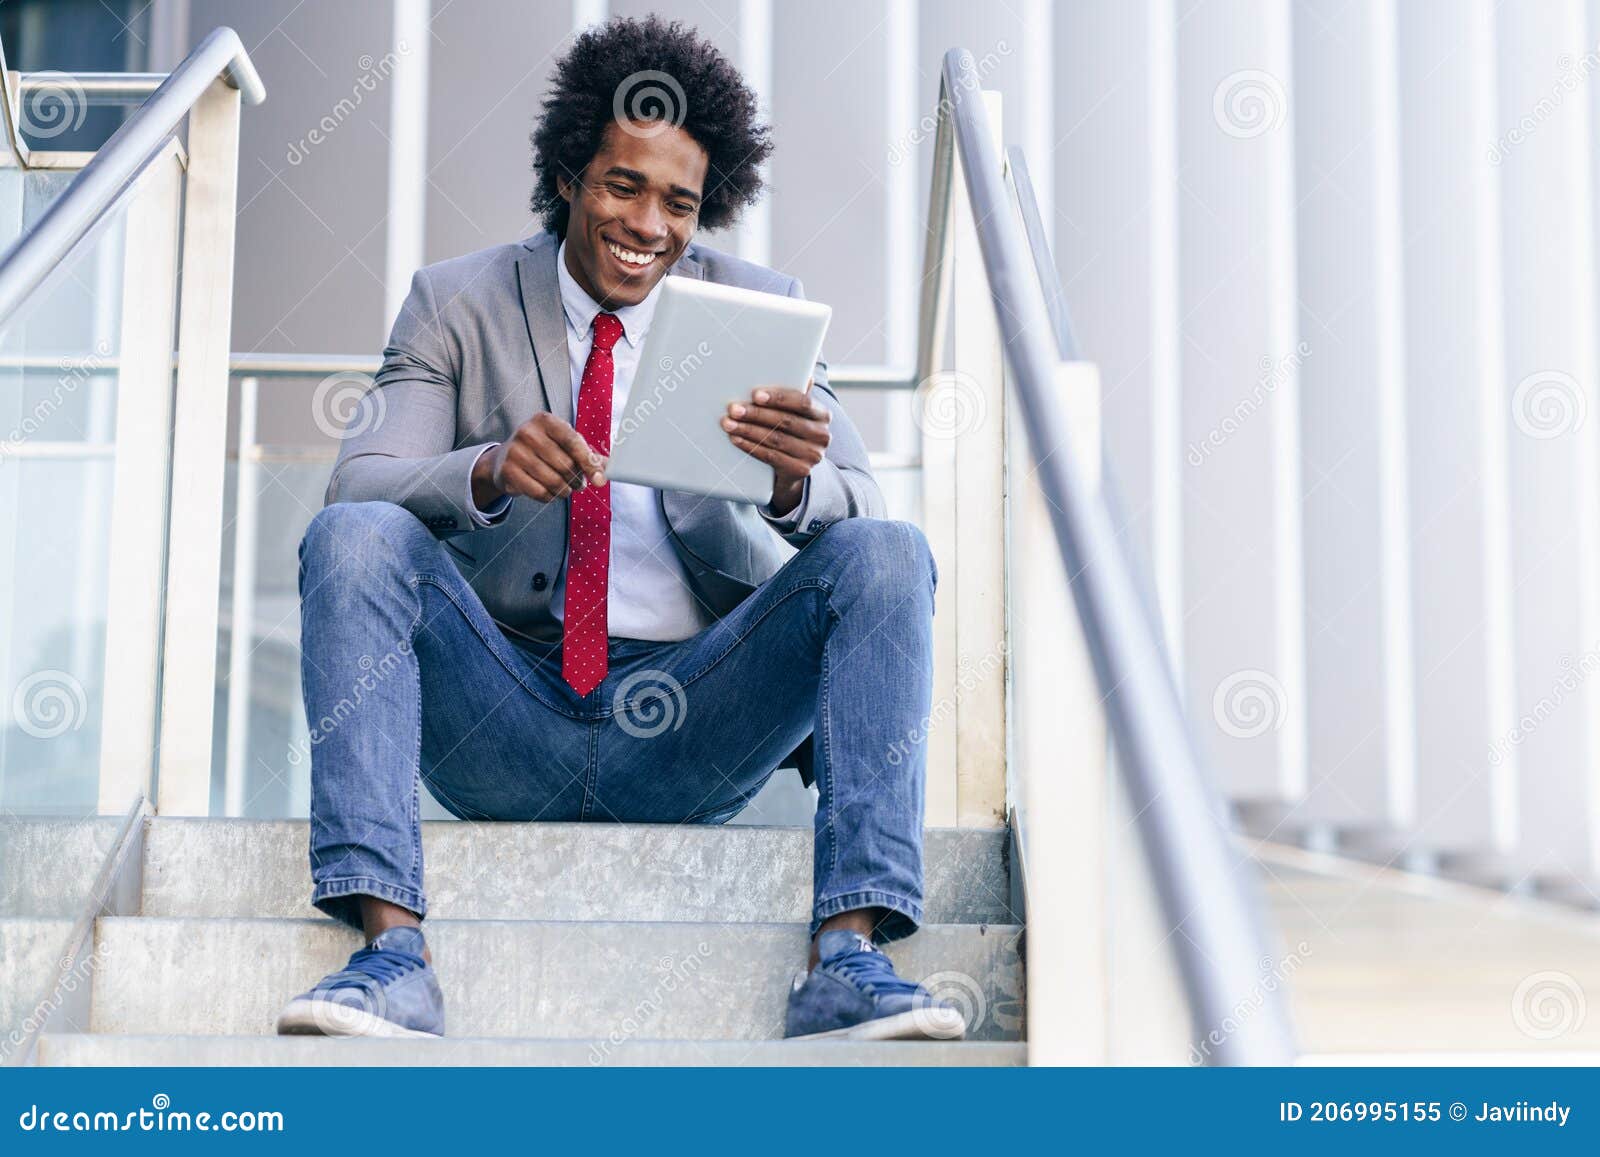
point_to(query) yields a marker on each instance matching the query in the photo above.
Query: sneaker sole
(319, 1018)
(915, 1024)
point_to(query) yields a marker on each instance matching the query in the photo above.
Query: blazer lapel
(547, 326)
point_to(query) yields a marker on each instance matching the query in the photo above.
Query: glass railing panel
(57, 418)
(24, 195)
(67, 359)
(269, 772)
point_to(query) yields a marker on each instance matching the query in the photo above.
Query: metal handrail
(1220, 942)
(280, 365)
(33, 256)
(106, 87)
(1044, 266)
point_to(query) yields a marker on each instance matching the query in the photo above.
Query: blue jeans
(407, 680)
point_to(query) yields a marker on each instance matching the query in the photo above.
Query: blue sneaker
(387, 989)
(854, 994)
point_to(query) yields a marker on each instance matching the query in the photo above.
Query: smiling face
(633, 211)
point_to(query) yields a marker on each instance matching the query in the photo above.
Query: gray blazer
(479, 348)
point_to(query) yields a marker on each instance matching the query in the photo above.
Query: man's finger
(586, 460)
(800, 425)
(559, 478)
(779, 461)
(796, 401)
(515, 480)
(800, 449)
(550, 465)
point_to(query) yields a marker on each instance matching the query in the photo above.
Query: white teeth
(629, 255)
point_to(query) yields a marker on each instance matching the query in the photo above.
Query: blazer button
(539, 581)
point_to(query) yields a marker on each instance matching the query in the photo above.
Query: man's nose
(646, 222)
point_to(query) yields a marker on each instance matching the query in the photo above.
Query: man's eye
(682, 209)
(620, 190)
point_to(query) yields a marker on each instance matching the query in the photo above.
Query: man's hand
(545, 460)
(785, 429)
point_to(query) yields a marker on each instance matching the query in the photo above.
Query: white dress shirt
(648, 589)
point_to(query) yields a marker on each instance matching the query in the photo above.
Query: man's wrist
(785, 498)
(488, 502)
(484, 491)
(788, 521)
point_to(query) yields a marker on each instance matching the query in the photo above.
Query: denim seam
(494, 645)
(826, 727)
(341, 886)
(416, 766)
(591, 774)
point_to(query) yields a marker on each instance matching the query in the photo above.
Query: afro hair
(649, 70)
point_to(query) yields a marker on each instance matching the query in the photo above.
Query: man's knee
(360, 533)
(891, 553)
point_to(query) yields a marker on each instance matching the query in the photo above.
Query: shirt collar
(581, 309)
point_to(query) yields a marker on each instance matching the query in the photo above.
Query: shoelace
(380, 964)
(873, 971)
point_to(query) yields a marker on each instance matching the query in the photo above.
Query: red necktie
(583, 639)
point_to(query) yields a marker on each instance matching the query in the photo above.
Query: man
(527, 614)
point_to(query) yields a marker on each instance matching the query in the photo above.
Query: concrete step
(520, 871)
(30, 950)
(69, 1049)
(504, 978)
(48, 865)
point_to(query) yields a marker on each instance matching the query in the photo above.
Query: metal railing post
(200, 440)
(242, 617)
(960, 410)
(1058, 758)
(136, 551)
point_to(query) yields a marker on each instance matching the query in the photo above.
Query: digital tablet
(710, 345)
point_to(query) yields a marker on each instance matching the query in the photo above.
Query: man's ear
(566, 188)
